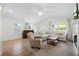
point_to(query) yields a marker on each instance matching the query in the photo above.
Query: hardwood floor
(21, 47)
(15, 48)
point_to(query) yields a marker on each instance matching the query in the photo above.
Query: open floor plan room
(39, 29)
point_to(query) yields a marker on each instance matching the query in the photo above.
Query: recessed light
(10, 10)
(40, 13)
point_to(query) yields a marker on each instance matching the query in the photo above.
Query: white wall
(78, 38)
(44, 24)
(0, 31)
(74, 27)
(0, 25)
(8, 28)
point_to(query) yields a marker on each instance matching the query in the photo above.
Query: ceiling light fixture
(40, 13)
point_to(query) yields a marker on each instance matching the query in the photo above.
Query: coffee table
(52, 40)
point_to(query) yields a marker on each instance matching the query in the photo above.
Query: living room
(51, 24)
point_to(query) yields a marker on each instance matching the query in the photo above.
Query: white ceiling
(30, 10)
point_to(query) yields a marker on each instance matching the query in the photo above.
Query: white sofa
(62, 36)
